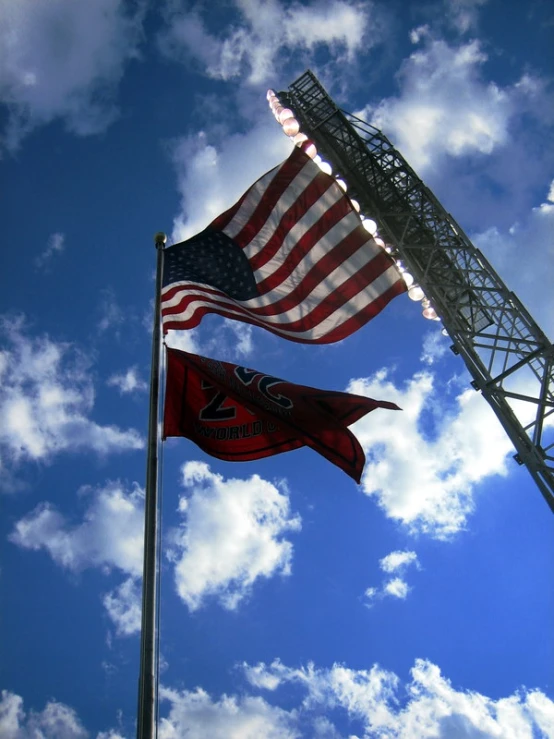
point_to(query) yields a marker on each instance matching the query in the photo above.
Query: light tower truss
(508, 356)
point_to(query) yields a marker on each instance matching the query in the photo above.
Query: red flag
(291, 256)
(240, 414)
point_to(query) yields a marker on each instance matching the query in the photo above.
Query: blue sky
(294, 603)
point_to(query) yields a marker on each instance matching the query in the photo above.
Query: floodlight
(325, 167)
(291, 126)
(430, 314)
(284, 114)
(369, 225)
(408, 279)
(416, 293)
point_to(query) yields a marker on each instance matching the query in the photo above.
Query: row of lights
(291, 128)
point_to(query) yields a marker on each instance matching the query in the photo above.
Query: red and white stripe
(319, 273)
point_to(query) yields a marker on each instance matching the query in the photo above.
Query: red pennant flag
(239, 414)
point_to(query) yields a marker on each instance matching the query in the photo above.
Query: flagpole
(148, 683)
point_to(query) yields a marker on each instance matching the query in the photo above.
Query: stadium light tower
(508, 356)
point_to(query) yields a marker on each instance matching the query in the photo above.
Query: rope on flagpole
(147, 725)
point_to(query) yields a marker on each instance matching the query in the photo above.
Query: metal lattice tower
(509, 357)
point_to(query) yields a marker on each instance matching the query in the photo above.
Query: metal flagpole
(147, 727)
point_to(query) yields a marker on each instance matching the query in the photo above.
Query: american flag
(291, 256)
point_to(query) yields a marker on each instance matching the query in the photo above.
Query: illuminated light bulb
(325, 167)
(430, 314)
(277, 112)
(399, 264)
(408, 279)
(389, 249)
(355, 205)
(416, 293)
(342, 184)
(291, 126)
(318, 159)
(444, 332)
(309, 149)
(284, 114)
(370, 225)
(270, 93)
(379, 242)
(299, 138)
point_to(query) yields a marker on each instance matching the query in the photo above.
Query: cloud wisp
(523, 255)
(266, 35)
(46, 399)
(446, 107)
(394, 565)
(55, 245)
(428, 705)
(63, 60)
(128, 382)
(109, 537)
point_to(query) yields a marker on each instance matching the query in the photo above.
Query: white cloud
(396, 587)
(56, 244)
(185, 341)
(129, 382)
(123, 605)
(196, 715)
(375, 699)
(56, 721)
(433, 707)
(394, 563)
(423, 472)
(446, 107)
(233, 534)
(260, 43)
(63, 60)
(111, 313)
(435, 346)
(230, 341)
(46, 396)
(243, 338)
(523, 256)
(463, 14)
(110, 535)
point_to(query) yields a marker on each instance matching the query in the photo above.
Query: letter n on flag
(239, 414)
